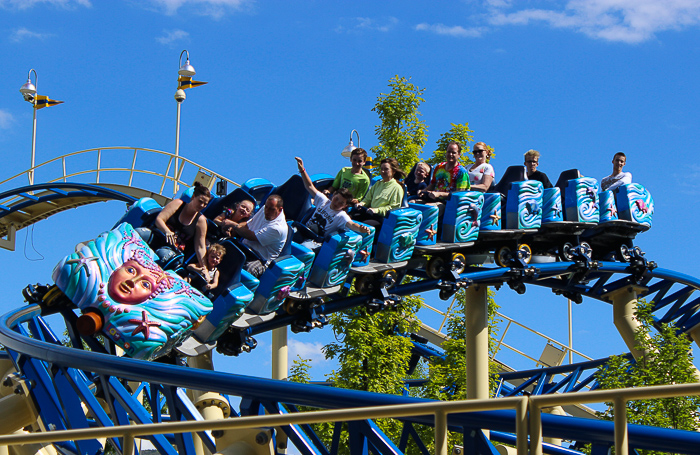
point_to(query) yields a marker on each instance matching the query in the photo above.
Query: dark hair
(346, 194)
(359, 151)
(620, 154)
(200, 190)
(399, 173)
(459, 146)
(278, 200)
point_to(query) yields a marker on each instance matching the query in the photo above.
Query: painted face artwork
(131, 283)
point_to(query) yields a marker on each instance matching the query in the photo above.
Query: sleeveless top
(184, 234)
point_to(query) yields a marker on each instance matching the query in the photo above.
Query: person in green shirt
(354, 178)
(384, 195)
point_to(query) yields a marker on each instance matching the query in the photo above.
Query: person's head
(242, 210)
(390, 169)
(619, 161)
(200, 197)
(453, 152)
(422, 171)
(342, 199)
(358, 158)
(532, 160)
(273, 207)
(136, 280)
(215, 254)
(481, 152)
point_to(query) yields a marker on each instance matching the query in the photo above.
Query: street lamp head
(180, 95)
(347, 151)
(186, 69)
(28, 90)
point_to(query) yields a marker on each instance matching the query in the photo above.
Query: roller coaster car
(625, 212)
(122, 293)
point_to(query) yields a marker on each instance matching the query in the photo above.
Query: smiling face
(619, 162)
(338, 202)
(452, 154)
(421, 172)
(357, 162)
(131, 283)
(243, 211)
(480, 154)
(386, 172)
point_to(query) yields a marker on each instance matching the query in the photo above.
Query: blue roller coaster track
(83, 383)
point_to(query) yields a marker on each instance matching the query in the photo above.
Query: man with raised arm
(330, 214)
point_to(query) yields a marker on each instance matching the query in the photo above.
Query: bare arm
(308, 184)
(483, 186)
(242, 230)
(360, 228)
(164, 215)
(200, 246)
(214, 281)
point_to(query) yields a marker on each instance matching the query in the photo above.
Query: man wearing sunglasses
(532, 159)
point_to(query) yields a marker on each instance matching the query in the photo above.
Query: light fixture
(28, 90)
(347, 151)
(186, 69)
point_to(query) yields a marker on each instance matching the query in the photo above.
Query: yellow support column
(477, 340)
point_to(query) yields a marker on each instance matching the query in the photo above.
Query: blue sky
(577, 80)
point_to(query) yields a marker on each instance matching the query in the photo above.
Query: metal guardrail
(125, 164)
(527, 408)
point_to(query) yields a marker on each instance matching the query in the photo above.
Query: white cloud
(628, 21)
(6, 119)
(26, 4)
(309, 351)
(23, 33)
(213, 8)
(358, 24)
(172, 36)
(456, 30)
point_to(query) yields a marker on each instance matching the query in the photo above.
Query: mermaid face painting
(131, 283)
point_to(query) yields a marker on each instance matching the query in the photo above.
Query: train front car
(125, 295)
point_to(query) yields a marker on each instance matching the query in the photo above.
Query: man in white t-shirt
(265, 234)
(330, 215)
(617, 178)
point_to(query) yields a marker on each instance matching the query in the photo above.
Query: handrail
(439, 411)
(129, 168)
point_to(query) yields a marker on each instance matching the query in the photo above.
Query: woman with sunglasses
(481, 173)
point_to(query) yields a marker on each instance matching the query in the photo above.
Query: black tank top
(184, 234)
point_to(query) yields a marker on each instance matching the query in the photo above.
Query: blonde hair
(532, 153)
(424, 165)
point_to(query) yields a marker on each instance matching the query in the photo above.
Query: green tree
(459, 132)
(670, 362)
(401, 134)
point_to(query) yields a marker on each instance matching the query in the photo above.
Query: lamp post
(188, 71)
(28, 91)
(347, 151)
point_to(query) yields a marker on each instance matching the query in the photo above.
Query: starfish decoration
(82, 262)
(143, 325)
(189, 290)
(431, 233)
(495, 219)
(612, 210)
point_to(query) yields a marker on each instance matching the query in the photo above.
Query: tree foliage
(670, 362)
(401, 134)
(459, 132)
